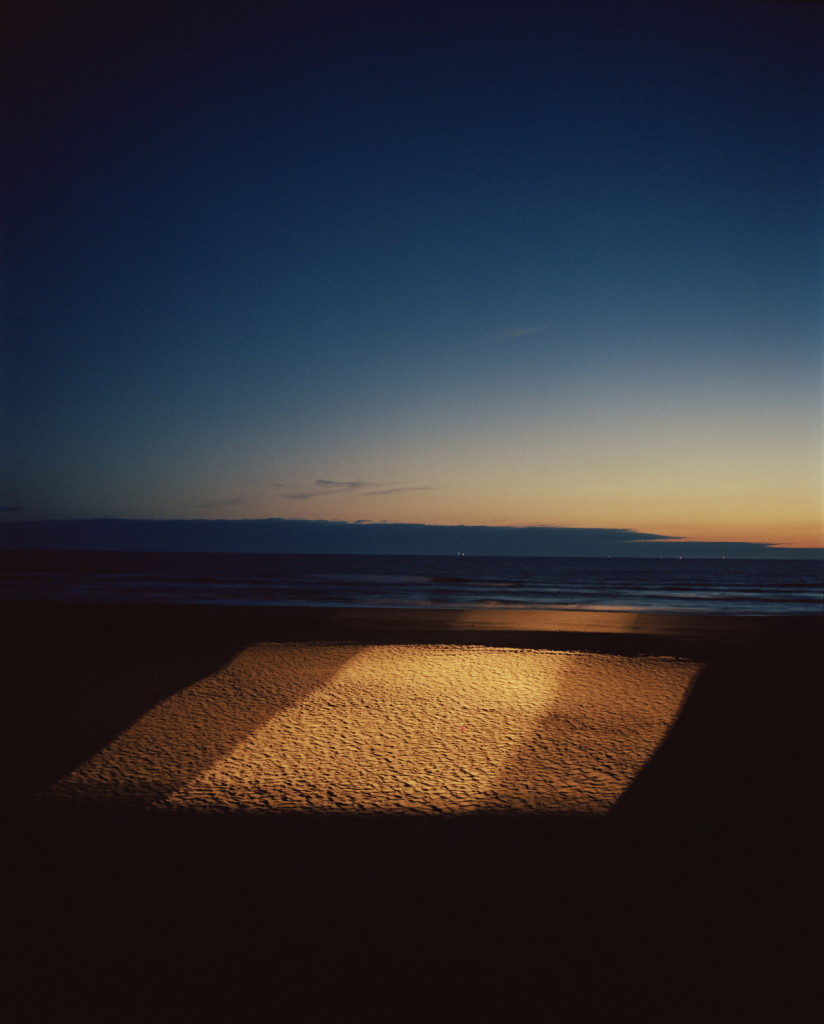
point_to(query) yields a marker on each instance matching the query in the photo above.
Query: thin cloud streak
(331, 487)
(344, 485)
(348, 487)
(399, 490)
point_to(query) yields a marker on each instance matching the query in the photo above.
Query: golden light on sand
(418, 729)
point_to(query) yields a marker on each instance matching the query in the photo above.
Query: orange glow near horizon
(707, 478)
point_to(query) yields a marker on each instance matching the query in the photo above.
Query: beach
(443, 809)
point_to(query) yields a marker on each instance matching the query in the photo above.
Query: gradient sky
(524, 264)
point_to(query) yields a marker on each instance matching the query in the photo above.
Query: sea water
(695, 585)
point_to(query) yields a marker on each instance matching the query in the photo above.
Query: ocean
(699, 586)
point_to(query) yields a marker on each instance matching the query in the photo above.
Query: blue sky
(506, 265)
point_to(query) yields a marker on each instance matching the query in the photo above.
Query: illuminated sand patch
(436, 729)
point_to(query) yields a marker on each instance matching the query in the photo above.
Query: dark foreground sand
(512, 815)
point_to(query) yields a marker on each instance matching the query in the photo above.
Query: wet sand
(675, 886)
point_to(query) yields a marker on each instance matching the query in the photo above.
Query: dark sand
(692, 898)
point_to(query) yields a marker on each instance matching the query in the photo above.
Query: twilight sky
(486, 264)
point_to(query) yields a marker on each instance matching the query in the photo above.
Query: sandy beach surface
(409, 815)
(427, 729)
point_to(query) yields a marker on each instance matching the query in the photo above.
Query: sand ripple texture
(426, 729)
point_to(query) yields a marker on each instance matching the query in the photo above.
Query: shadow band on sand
(692, 900)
